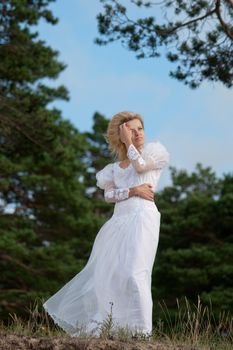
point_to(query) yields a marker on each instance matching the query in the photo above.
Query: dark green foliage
(30, 268)
(46, 231)
(196, 241)
(97, 156)
(198, 35)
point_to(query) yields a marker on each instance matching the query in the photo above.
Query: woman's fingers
(146, 191)
(124, 130)
(123, 125)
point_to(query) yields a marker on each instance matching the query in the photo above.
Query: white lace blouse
(145, 167)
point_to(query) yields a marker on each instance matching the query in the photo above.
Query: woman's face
(137, 132)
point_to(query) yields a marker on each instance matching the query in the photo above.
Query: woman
(117, 276)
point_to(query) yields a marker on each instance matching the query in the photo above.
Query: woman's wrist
(133, 191)
(128, 143)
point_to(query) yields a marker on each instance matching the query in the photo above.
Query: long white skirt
(117, 276)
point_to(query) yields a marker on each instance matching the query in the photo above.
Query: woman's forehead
(134, 123)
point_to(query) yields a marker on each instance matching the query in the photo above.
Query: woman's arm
(113, 195)
(144, 191)
(139, 163)
(155, 156)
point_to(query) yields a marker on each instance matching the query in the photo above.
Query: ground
(10, 341)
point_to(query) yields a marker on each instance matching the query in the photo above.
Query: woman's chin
(139, 144)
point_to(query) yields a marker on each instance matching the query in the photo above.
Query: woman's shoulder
(105, 175)
(107, 167)
(158, 152)
(106, 170)
(154, 147)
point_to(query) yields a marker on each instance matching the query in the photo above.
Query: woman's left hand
(125, 134)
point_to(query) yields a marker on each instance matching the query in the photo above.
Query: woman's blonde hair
(112, 136)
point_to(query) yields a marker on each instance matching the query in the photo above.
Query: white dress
(117, 276)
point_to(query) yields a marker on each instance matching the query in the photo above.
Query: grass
(195, 326)
(37, 324)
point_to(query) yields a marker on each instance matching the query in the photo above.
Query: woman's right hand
(144, 191)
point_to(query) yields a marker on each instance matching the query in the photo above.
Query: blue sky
(195, 126)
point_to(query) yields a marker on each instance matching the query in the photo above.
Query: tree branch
(209, 13)
(7, 257)
(225, 27)
(5, 120)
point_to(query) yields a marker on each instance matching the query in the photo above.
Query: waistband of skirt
(134, 204)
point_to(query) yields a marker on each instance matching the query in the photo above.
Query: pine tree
(197, 35)
(45, 214)
(196, 240)
(97, 157)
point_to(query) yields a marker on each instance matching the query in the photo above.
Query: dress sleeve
(105, 181)
(154, 156)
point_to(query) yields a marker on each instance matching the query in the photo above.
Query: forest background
(50, 207)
